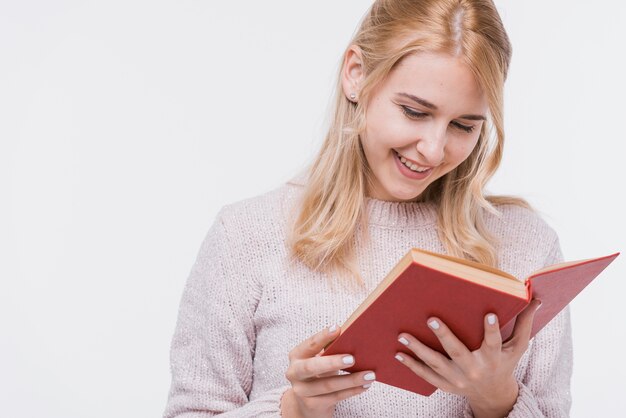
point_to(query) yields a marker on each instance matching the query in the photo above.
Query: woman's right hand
(316, 385)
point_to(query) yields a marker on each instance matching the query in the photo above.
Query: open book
(461, 293)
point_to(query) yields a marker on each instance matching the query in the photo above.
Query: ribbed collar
(400, 214)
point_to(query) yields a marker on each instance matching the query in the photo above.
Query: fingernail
(434, 324)
(332, 329)
(370, 376)
(367, 386)
(403, 340)
(348, 360)
(491, 318)
(399, 357)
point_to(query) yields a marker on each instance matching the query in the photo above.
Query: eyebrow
(429, 105)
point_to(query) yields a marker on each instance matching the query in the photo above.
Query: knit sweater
(245, 306)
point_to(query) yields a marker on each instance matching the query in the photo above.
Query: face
(428, 113)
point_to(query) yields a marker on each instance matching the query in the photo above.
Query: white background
(126, 125)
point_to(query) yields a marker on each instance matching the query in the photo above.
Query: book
(460, 292)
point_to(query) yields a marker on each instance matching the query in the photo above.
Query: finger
(523, 327)
(335, 397)
(335, 373)
(329, 385)
(314, 344)
(457, 351)
(493, 338)
(433, 359)
(421, 369)
(315, 366)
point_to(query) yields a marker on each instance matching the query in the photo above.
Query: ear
(352, 73)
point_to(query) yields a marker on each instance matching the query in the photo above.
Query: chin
(405, 195)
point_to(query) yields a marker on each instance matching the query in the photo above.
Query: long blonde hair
(332, 205)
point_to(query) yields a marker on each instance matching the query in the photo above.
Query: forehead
(442, 79)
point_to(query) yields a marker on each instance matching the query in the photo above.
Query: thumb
(524, 323)
(315, 343)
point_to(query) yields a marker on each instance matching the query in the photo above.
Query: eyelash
(417, 115)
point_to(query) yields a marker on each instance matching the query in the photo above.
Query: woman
(417, 133)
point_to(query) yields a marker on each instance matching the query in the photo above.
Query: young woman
(417, 132)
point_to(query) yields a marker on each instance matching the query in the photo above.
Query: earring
(352, 96)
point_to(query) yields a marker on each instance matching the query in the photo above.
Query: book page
(472, 271)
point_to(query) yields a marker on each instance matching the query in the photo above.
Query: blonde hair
(323, 233)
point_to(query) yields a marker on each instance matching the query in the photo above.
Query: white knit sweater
(244, 307)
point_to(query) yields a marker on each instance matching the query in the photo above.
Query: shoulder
(259, 220)
(520, 222)
(269, 206)
(257, 208)
(521, 234)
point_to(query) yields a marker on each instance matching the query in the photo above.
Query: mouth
(409, 173)
(411, 165)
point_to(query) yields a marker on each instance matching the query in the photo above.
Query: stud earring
(352, 96)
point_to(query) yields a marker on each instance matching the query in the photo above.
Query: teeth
(410, 165)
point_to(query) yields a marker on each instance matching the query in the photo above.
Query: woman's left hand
(484, 376)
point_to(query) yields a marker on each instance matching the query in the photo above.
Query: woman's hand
(484, 376)
(316, 385)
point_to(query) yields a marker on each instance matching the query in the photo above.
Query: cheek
(462, 149)
(386, 128)
(374, 153)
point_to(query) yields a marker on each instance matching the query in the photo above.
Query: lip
(405, 171)
(414, 162)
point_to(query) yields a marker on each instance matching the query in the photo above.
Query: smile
(410, 169)
(412, 165)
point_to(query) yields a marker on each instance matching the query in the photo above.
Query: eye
(412, 114)
(466, 128)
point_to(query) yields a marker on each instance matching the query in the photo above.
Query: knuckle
(356, 379)
(297, 390)
(494, 343)
(415, 365)
(435, 365)
(461, 384)
(454, 352)
(335, 397)
(307, 368)
(311, 343)
(492, 347)
(326, 386)
(474, 375)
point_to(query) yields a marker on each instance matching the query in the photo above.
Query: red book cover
(420, 290)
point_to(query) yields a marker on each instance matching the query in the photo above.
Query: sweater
(245, 306)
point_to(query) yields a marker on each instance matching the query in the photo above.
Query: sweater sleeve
(544, 390)
(212, 349)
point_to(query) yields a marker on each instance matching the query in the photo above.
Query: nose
(431, 145)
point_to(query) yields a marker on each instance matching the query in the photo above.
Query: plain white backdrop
(126, 125)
